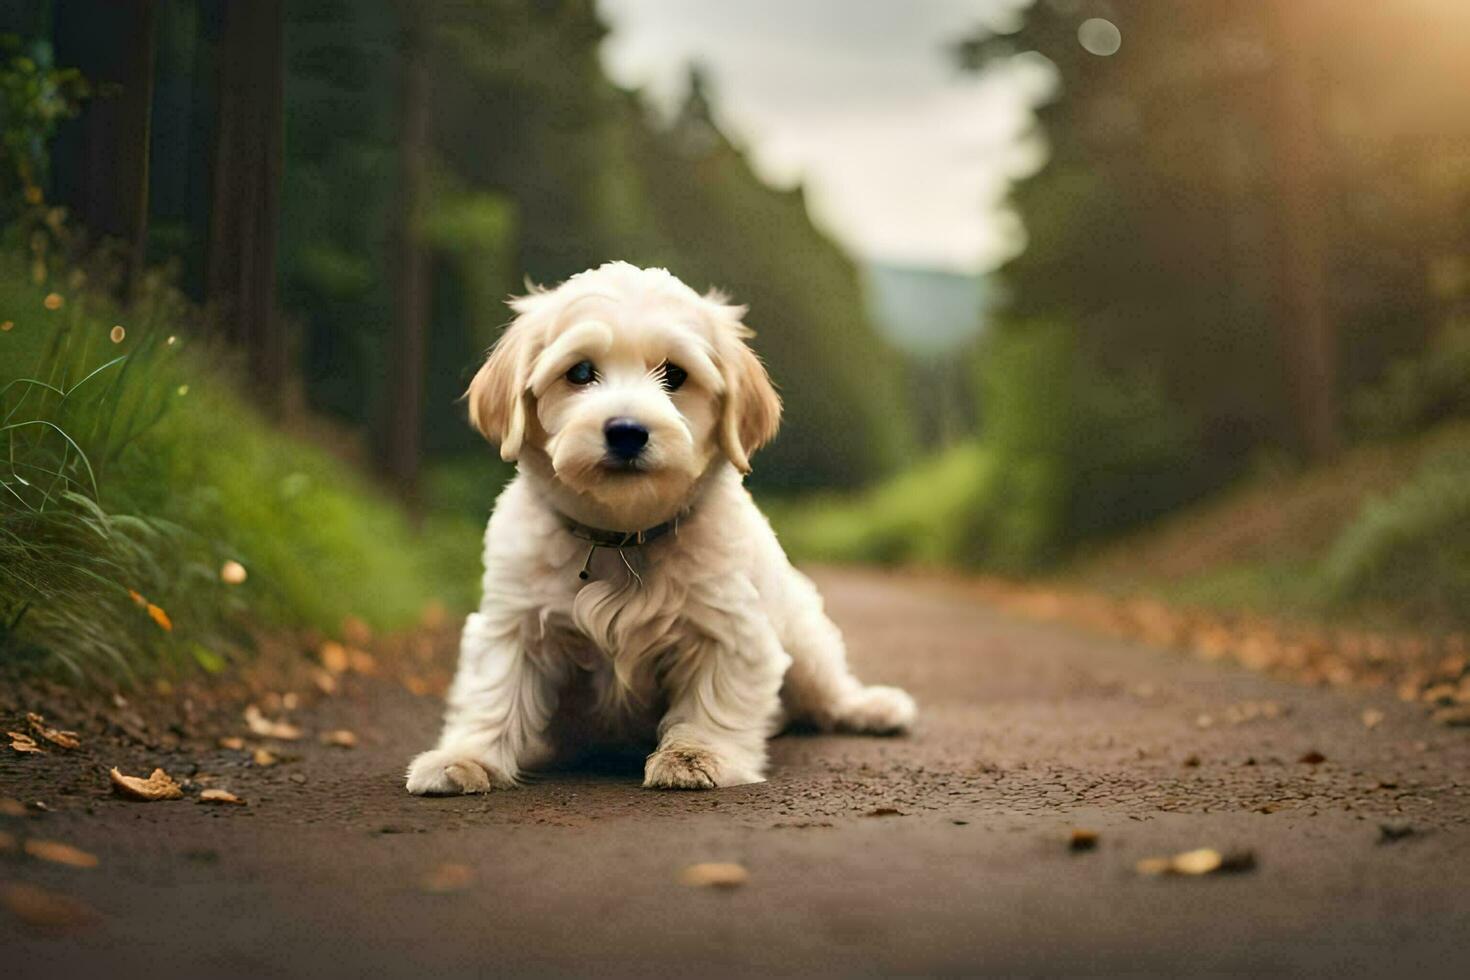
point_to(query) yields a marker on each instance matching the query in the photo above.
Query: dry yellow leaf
(1197, 862)
(714, 875)
(158, 786)
(1154, 866)
(59, 853)
(1082, 839)
(324, 681)
(448, 878)
(220, 796)
(38, 907)
(362, 661)
(333, 656)
(264, 727)
(232, 742)
(264, 757)
(67, 740)
(22, 742)
(1202, 861)
(341, 738)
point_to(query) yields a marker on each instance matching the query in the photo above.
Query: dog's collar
(603, 538)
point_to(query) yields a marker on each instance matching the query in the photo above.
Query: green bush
(131, 470)
(1066, 453)
(1411, 548)
(1418, 392)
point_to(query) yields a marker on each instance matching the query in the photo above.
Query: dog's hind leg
(500, 707)
(820, 688)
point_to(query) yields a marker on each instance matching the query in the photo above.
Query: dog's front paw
(878, 710)
(445, 772)
(693, 767)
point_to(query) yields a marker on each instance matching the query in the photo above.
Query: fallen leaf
(1154, 866)
(1202, 861)
(324, 681)
(232, 742)
(59, 853)
(448, 878)
(1197, 862)
(23, 743)
(1082, 840)
(1456, 717)
(264, 757)
(714, 875)
(884, 811)
(333, 656)
(362, 662)
(341, 738)
(44, 909)
(67, 740)
(1313, 758)
(220, 796)
(264, 727)
(1372, 717)
(158, 786)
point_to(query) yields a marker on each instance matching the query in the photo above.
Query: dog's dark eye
(674, 377)
(582, 373)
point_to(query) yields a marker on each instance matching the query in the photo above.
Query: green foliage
(1411, 548)
(1419, 391)
(1067, 453)
(35, 97)
(131, 471)
(926, 514)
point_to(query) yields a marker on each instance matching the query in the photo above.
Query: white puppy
(632, 588)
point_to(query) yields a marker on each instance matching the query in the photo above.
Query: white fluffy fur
(698, 639)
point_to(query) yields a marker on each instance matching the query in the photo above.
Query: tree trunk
(245, 215)
(1307, 333)
(403, 425)
(102, 161)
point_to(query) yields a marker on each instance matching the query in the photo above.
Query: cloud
(905, 157)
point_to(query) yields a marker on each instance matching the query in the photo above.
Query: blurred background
(1164, 297)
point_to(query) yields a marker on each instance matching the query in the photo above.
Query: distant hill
(925, 312)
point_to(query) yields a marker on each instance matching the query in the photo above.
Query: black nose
(625, 437)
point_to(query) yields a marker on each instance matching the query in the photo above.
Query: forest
(252, 252)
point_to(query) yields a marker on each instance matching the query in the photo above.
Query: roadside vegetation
(151, 518)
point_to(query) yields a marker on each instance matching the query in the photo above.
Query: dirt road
(943, 852)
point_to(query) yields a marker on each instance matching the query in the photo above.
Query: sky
(906, 159)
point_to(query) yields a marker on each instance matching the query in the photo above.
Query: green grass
(925, 515)
(137, 467)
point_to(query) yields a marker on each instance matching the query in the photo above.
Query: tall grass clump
(1411, 548)
(134, 478)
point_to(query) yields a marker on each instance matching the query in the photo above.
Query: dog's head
(625, 386)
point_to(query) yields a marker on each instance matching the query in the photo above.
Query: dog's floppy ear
(751, 413)
(497, 394)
